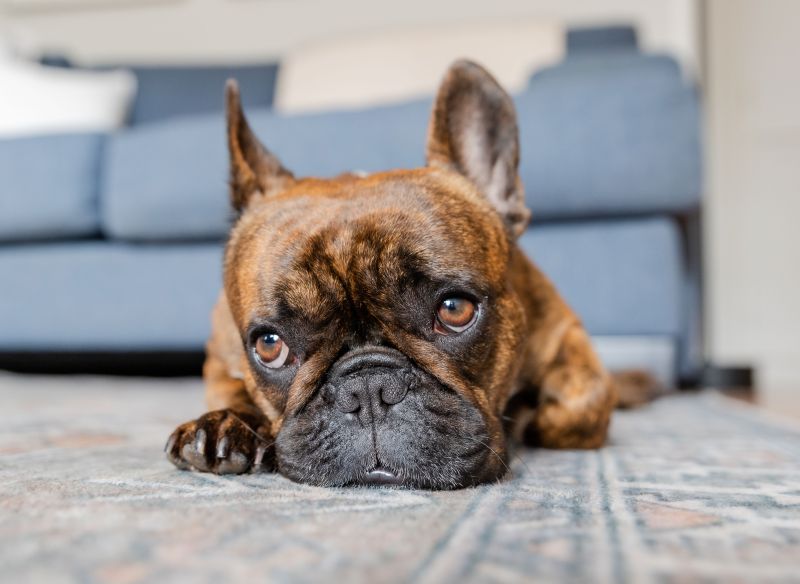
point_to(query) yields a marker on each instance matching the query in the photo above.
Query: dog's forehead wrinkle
(339, 257)
(355, 268)
(359, 254)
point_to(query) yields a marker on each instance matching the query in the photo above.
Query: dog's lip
(380, 476)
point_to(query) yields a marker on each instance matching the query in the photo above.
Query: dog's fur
(354, 266)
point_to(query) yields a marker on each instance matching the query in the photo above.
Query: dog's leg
(576, 396)
(235, 436)
(566, 397)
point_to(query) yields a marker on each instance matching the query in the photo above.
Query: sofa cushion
(168, 181)
(601, 38)
(621, 277)
(168, 91)
(614, 135)
(95, 296)
(661, 71)
(390, 66)
(49, 186)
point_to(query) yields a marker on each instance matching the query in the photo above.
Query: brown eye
(272, 351)
(455, 315)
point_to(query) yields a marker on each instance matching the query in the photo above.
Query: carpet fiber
(690, 488)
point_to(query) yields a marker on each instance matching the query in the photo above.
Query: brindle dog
(375, 329)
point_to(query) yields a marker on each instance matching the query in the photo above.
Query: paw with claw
(223, 442)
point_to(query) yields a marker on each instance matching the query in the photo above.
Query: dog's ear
(255, 171)
(473, 130)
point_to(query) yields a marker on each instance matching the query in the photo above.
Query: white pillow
(356, 71)
(35, 99)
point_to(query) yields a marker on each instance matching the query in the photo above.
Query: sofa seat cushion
(94, 296)
(621, 277)
(50, 186)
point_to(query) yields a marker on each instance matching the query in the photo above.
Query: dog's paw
(222, 442)
(574, 412)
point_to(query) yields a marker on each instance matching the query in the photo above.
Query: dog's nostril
(393, 393)
(370, 394)
(329, 393)
(348, 402)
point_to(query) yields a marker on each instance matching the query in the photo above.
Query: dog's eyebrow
(460, 281)
(257, 324)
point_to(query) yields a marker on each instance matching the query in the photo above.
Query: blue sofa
(112, 244)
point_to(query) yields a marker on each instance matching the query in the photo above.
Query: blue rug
(691, 488)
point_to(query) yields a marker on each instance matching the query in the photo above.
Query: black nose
(367, 382)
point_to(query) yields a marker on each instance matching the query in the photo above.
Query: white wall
(753, 261)
(248, 30)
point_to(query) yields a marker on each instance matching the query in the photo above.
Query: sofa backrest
(616, 134)
(583, 40)
(170, 91)
(613, 139)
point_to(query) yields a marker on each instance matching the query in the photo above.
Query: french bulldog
(387, 329)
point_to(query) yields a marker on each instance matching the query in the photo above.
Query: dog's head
(377, 315)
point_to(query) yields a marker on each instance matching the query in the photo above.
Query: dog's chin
(434, 439)
(453, 471)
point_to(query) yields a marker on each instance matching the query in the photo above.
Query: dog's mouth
(361, 434)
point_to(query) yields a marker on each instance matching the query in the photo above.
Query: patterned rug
(691, 488)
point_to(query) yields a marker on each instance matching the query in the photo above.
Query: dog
(387, 329)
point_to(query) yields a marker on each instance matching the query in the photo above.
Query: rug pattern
(691, 488)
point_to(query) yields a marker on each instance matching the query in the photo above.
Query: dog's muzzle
(364, 385)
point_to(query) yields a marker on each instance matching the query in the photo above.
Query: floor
(693, 487)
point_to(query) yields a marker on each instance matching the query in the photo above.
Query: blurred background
(660, 153)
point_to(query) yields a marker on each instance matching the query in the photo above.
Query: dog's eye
(455, 315)
(271, 351)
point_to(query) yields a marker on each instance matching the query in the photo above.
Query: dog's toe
(194, 451)
(172, 450)
(235, 463)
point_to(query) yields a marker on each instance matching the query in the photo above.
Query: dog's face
(381, 330)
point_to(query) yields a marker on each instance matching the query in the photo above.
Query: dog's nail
(260, 451)
(170, 443)
(236, 463)
(222, 447)
(258, 461)
(200, 442)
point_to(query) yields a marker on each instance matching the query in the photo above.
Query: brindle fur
(349, 262)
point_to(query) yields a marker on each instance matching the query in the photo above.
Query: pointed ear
(473, 130)
(255, 171)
